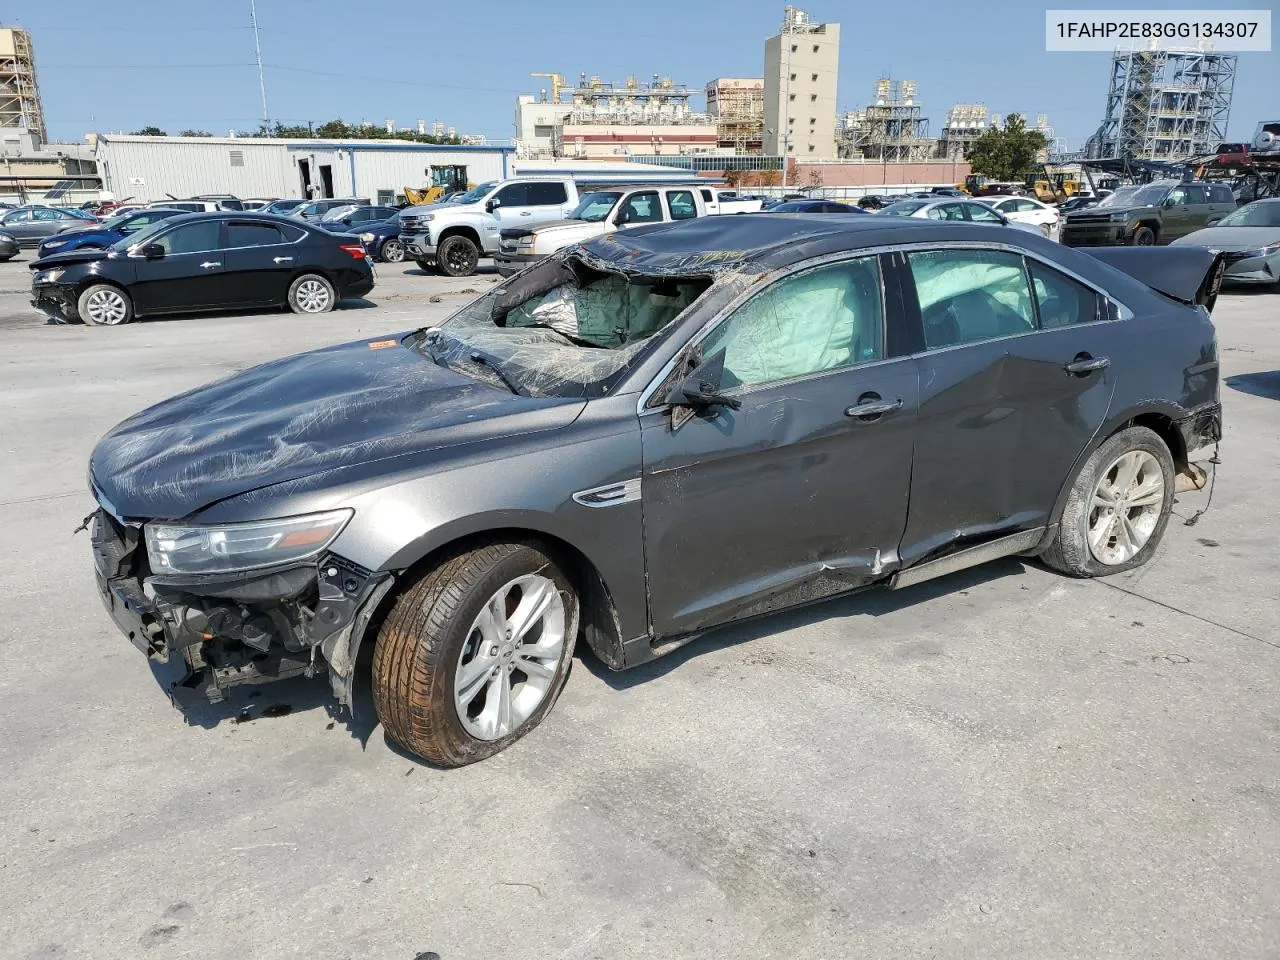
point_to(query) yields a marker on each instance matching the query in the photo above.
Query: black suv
(1142, 216)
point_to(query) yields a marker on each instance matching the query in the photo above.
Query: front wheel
(103, 305)
(1144, 237)
(393, 251)
(1118, 507)
(312, 293)
(457, 256)
(472, 656)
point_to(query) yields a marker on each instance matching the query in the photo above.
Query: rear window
(547, 194)
(253, 235)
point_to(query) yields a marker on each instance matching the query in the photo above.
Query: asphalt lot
(1000, 764)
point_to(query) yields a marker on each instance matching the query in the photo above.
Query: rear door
(681, 205)
(1221, 200)
(802, 492)
(1183, 211)
(548, 201)
(191, 274)
(1002, 418)
(260, 261)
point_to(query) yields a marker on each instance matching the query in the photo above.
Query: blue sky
(179, 63)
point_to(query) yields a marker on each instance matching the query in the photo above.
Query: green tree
(1007, 153)
(195, 133)
(150, 132)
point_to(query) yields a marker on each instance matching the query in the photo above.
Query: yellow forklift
(444, 180)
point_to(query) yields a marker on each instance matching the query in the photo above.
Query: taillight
(355, 250)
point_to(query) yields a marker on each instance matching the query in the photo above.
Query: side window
(822, 319)
(641, 208)
(982, 213)
(1221, 193)
(514, 195)
(706, 195)
(1061, 300)
(547, 194)
(1179, 196)
(43, 213)
(681, 204)
(253, 235)
(1197, 193)
(1024, 206)
(971, 295)
(198, 237)
(18, 216)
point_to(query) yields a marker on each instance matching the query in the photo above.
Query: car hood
(1232, 238)
(1095, 210)
(69, 258)
(298, 416)
(569, 230)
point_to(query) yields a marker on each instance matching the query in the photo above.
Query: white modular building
(157, 168)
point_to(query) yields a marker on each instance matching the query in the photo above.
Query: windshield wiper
(489, 363)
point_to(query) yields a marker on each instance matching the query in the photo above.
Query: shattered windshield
(562, 329)
(594, 207)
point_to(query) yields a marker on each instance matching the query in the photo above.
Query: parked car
(814, 206)
(282, 207)
(718, 202)
(598, 448)
(1079, 202)
(8, 247)
(99, 236)
(1142, 216)
(948, 192)
(876, 201)
(964, 211)
(597, 213)
(315, 209)
(187, 206)
(225, 201)
(381, 239)
(261, 203)
(30, 225)
(1026, 210)
(1249, 239)
(356, 217)
(200, 262)
(452, 237)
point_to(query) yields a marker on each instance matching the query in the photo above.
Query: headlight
(423, 217)
(366, 237)
(1119, 216)
(5, 238)
(1263, 251)
(49, 276)
(50, 244)
(174, 548)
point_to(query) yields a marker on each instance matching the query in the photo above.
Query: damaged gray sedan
(645, 437)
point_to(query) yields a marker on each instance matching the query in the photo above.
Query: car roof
(756, 242)
(253, 215)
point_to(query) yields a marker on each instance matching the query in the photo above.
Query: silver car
(30, 225)
(1250, 238)
(948, 208)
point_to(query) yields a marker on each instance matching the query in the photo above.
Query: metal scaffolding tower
(19, 93)
(1165, 104)
(891, 128)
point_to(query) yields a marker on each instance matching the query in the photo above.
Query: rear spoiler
(1190, 275)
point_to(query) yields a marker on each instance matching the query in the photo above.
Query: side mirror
(1213, 220)
(492, 205)
(700, 390)
(153, 251)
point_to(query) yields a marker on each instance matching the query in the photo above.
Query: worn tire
(392, 251)
(419, 644)
(312, 294)
(1069, 552)
(84, 305)
(457, 256)
(426, 266)
(1143, 237)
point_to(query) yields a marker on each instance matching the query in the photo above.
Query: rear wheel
(1143, 237)
(1118, 507)
(426, 265)
(457, 256)
(312, 293)
(393, 251)
(103, 305)
(473, 655)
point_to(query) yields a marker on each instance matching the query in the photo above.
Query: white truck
(719, 202)
(452, 237)
(602, 210)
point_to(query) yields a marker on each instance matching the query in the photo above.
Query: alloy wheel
(1126, 507)
(107, 307)
(393, 251)
(510, 657)
(313, 296)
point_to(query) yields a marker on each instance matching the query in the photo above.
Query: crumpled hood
(1232, 238)
(299, 416)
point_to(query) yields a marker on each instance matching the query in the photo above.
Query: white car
(1026, 210)
(948, 208)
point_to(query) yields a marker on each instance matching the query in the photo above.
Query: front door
(191, 274)
(800, 493)
(1002, 421)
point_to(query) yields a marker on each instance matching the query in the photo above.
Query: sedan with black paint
(644, 437)
(200, 262)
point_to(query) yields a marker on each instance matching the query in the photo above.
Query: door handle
(208, 264)
(873, 407)
(282, 260)
(527, 213)
(1084, 365)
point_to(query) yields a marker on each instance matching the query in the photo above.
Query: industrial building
(19, 90)
(801, 65)
(1165, 104)
(155, 168)
(891, 128)
(736, 105)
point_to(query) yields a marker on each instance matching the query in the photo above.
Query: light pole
(257, 49)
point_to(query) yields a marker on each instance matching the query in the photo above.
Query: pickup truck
(452, 237)
(1143, 216)
(720, 202)
(600, 211)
